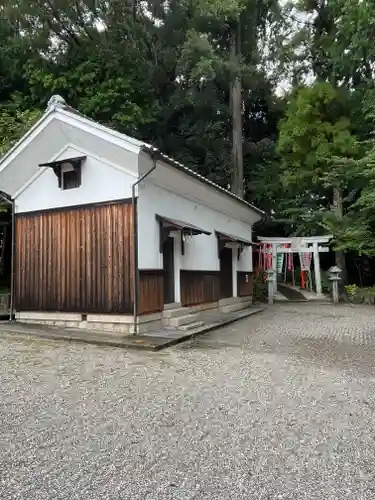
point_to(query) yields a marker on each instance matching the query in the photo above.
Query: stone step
(175, 312)
(191, 326)
(235, 307)
(173, 305)
(206, 306)
(233, 300)
(181, 311)
(183, 320)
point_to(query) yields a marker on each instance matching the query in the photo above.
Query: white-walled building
(79, 257)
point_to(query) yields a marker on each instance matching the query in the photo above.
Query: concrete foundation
(177, 316)
(96, 322)
(182, 317)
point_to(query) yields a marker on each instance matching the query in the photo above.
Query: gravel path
(267, 409)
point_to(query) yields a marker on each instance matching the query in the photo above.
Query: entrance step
(233, 300)
(173, 305)
(183, 311)
(175, 312)
(236, 306)
(191, 326)
(183, 320)
(188, 318)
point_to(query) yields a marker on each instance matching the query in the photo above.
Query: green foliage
(359, 295)
(320, 155)
(14, 123)
(316, 130)
(331, 39)
(351, 290)
(161, 71)
(260, 287)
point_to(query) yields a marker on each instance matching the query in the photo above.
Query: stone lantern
(334, 276)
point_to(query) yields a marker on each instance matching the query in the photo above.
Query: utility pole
(236, 111)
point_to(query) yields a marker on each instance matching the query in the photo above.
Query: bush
(359, 295)
(260, 286)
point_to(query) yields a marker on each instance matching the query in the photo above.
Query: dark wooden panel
(244, 288)
(168, 270)
(226, 275)
(151, 298)
(77, 260)
(198, 287)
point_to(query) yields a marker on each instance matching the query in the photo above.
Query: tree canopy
(163, 71)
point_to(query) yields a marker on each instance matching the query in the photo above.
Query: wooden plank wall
(244, 288)
(198, 287)
(151, 297)
(76, 259)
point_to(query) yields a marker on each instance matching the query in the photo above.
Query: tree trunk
(236, 110)
(340, 259)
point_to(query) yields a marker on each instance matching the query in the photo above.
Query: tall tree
(335, 38)
(228, 35)
(316, 146)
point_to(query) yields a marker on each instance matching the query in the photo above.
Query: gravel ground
(279, 406)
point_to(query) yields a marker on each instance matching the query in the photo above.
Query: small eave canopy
(185, 228)
(224, 238)
(178, 225)
(230, 238)
(75, 162)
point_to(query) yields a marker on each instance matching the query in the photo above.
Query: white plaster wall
(200, 251)
(245, 262)
(25, 163)
(100, 182)
(122, 153)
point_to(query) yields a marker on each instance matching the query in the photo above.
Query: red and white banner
(305, 260)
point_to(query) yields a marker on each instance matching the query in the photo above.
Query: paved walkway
(326, 335)
(278, 406)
